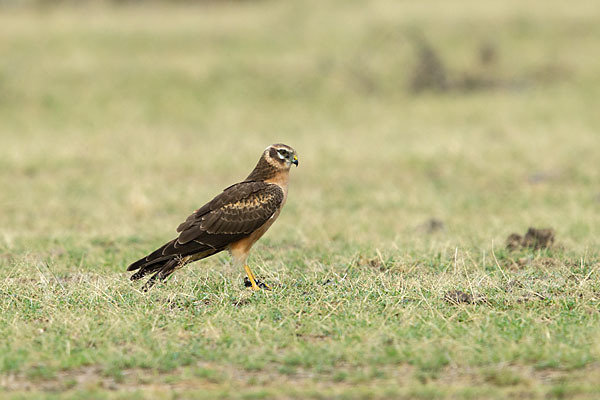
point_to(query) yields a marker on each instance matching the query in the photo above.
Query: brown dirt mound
(534, 239)
(458, 296)
(432, 225)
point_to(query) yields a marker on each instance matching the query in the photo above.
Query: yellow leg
(251, 277)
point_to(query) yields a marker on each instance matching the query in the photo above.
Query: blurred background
(419, 125)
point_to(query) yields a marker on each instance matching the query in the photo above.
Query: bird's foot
(259, 284)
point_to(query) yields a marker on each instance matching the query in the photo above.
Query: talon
(263, 285)
(251, 281)
(259, 284)
(251, 278)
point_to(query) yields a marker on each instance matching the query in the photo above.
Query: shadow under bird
(234, 220)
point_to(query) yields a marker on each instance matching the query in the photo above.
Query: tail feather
(155, 257)
(164, 266)
(167, 269)
(145, 270)
(170, 250)
(144, 262)
(161, 271)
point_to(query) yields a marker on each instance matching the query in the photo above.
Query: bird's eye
(283, 152)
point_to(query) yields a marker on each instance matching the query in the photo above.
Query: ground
(428, 132)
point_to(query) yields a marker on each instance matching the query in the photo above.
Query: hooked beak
(295, 161)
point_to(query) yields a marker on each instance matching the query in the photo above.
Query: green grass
(117, 122)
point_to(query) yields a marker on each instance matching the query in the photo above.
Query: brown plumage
(234, 220)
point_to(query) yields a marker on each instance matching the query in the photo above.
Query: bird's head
(276, 159)
(281, 156)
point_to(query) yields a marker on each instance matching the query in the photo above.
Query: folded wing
(234, 214)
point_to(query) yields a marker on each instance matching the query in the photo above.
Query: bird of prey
(234, 220)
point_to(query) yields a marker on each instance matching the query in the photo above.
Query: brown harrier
(233, 221)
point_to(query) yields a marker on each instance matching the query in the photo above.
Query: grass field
(116, 123)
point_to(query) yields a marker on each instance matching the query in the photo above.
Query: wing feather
(237, 212)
